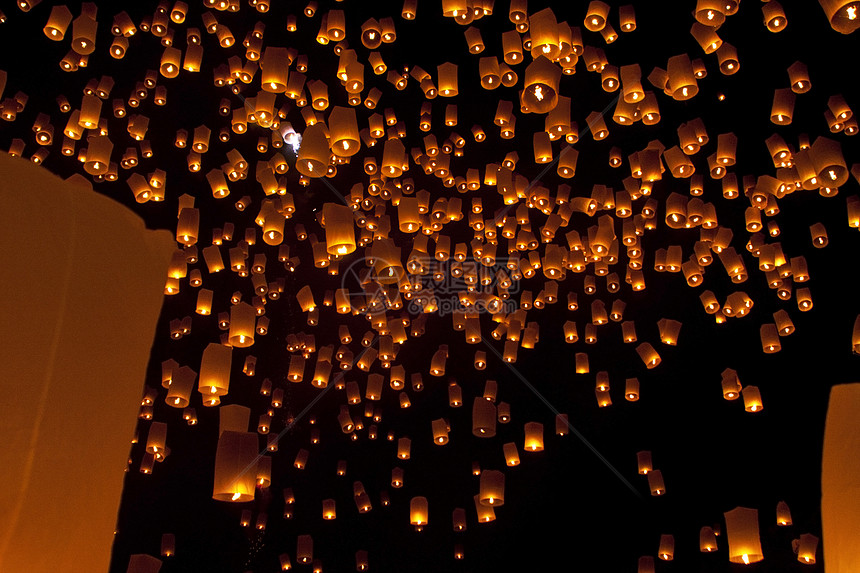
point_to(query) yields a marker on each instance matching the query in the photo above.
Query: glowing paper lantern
(806, 546)
(339, 228)
(313, 158)
(541, 85)
(839, 480)
(418, 514)
(242, 325)
(743, 535)
(843, 15)
(666, 549)
(707, 540)
(492, 488)
(235, 467)
(783, 514)
(534, 436)
(752, 399)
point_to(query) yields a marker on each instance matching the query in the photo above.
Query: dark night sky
(564, 507)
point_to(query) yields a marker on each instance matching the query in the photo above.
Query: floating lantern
(541, 85)
(534, 437)
(752, 399)
(418, 512)
(743, 535)
(643, 460)
(235, 467)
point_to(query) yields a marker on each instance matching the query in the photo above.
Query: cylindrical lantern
(541, 85)
(596, 15)
(447, 77)
(418, 512)
(483, 418)
(840, 479)
(339, 228)
(345, 141)
(235, 467)
(304, 549)
(440, 431)
(783, 514)
(666, 549)
(842, 14)
(743, 535)
(655, 483)
(707, 540)
(492, 488)
(533, 436)
(752, 399)
(807, 544)
(648, 355)
(512, 456)
(313, 157)
(243, 319)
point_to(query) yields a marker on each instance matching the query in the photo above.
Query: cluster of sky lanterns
(396, 227)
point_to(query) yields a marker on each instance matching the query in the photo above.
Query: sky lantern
(743, 535)
(418, 514)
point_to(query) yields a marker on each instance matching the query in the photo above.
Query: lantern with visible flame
(743, 535)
